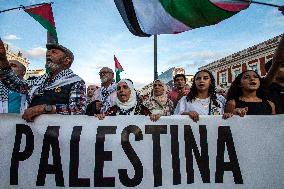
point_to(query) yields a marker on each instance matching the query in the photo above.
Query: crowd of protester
(60, 91)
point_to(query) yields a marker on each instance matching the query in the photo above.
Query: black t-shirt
(255, 108)
(276, 95)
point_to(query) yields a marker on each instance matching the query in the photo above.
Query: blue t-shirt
(14, 102)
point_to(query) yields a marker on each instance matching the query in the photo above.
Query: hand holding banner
(132, 151)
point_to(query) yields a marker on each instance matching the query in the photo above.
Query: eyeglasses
(104, 73)
(155, 85)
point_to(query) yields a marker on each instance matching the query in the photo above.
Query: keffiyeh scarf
(4, 100)
(105, 96)
(39, 85)
(4, 91)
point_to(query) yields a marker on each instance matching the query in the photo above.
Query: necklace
(203, 102)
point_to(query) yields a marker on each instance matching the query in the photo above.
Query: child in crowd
(202, 98)
(246, 96)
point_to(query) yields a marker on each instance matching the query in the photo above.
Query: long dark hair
(235, 90)
(211, 90)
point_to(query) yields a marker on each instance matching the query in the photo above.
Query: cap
(60, 47)
(268, 65)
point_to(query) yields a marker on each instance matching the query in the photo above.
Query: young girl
(202, 98)
(245, 96)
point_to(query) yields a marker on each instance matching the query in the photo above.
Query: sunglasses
(104, 73)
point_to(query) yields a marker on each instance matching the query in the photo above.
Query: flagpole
(50, 38)
(24, 7)
(155, 58)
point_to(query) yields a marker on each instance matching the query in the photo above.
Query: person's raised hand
(281, 9)
(3, 57)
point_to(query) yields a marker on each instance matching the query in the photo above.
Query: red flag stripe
(44, 11)
(117, 64)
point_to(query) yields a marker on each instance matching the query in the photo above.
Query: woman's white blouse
(201, 106)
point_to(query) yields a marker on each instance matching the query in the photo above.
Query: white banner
(59, 151)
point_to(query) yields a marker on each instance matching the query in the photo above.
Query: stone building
(16, 56)
(167, 77)
(226, 69)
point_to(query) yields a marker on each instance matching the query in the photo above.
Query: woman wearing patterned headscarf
(159, 103)
(127, 102)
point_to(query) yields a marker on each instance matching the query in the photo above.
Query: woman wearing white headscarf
(127, 102)
(159, 103)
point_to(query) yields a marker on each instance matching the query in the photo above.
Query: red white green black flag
(152, 17)
(118, 69)
(44, 15)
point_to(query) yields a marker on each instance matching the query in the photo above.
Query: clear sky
(94, 31)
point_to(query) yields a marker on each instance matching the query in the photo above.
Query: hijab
(132, 101)
(162, 100)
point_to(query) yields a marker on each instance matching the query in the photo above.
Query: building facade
(16, 56)
(167, 78)
(19, 57)
(227, 69)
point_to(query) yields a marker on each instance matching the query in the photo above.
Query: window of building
(236, 73)
(224, 78)
(253, 67)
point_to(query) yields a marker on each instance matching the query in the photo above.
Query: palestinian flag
(43, 14)
(118, 69)
(151, 17)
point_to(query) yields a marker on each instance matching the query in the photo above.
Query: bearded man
(59, 91)
(107, 93)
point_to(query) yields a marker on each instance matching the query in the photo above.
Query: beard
(104, 79)
(51, 67)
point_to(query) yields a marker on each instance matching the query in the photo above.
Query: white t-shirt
(201, 106)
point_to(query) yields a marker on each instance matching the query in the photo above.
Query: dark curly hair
(211, 91)
(235, 90)
(179, 75)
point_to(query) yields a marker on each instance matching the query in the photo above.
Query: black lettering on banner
(50, 140)
(156, 130)
(132, 156)
(202, 160)
(175, 155)
(102, 156)
(225, 137)
(20, 156)
(74, 181)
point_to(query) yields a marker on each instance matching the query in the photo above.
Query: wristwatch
(48, 109)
